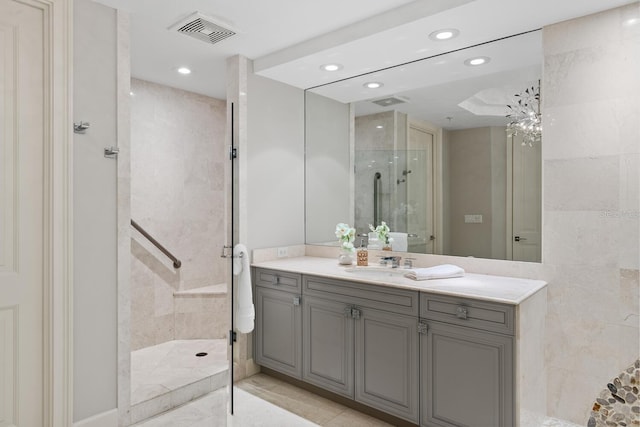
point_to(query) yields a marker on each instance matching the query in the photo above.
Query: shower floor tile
(170, 374)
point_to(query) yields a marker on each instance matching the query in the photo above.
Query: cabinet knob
(423, 328)
(352, 312)
(276, 281)
(461, 312)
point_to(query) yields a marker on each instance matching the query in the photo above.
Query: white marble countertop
(501, 289)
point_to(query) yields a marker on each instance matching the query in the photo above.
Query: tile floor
(263, 401)
(260, 400)
(211, 411)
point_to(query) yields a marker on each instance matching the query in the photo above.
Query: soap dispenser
(363, 254)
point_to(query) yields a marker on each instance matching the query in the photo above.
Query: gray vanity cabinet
(467, 369)
(328, 345)
(387, 362)
(432, 358)
(278, 338)
(361, 341)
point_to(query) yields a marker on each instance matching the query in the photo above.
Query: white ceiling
(290, 39)
(447, 93)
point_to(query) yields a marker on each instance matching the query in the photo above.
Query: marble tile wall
(591, 151)
(201, 316)
(123, 81)
(177, 195)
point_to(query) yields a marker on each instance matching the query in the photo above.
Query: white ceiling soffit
(374, 25)
(479, 21)
(509, 54)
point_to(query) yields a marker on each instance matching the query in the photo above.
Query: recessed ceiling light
(480, 60)
(631, 21)
(331, 67)
(184, 70)
(379, 127)
(373, 85)
(444, 34)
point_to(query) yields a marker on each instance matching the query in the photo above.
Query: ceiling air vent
(387, 102)
(202, 28)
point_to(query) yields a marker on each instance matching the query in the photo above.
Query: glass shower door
(232, 233)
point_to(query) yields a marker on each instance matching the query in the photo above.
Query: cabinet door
(279, 331)
(466, 378)
(387, 362)
(328, 345)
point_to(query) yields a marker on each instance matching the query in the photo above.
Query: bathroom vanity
(467, 351)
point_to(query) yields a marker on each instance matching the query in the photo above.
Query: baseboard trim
(105, 419)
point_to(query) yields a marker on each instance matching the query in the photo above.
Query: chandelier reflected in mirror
(526, 120)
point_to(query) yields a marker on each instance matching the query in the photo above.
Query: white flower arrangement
(346, 235)
(382, 231)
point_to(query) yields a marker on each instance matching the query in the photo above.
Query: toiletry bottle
(363, 254)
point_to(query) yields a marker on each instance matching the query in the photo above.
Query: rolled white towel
(245, 311)
(444, 271)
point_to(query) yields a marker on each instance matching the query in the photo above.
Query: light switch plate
(473, 219)
(283, 252)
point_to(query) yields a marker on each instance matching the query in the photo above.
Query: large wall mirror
(428, 152)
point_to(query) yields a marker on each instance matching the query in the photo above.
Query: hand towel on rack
(444, 271)
(399, 242)
(245, 312)
(373, 242)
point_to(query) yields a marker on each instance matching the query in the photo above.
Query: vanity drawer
(484, 315)
(275, 279)
(385, 298)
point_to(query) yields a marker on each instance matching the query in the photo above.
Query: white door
(31, 114)
(420, 185)
(527, 201)
(21, 215)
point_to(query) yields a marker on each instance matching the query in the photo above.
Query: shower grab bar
(176, 262)
(376, 200)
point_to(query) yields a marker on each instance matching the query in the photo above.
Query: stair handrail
(176, 262)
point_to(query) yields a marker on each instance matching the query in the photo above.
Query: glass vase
(345, 257)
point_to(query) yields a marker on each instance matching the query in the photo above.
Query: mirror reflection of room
(432, 155)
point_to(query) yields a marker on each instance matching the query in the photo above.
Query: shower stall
(394, 178)
(180, 316)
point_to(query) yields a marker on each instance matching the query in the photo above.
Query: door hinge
(233, 153)
(233, 337)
